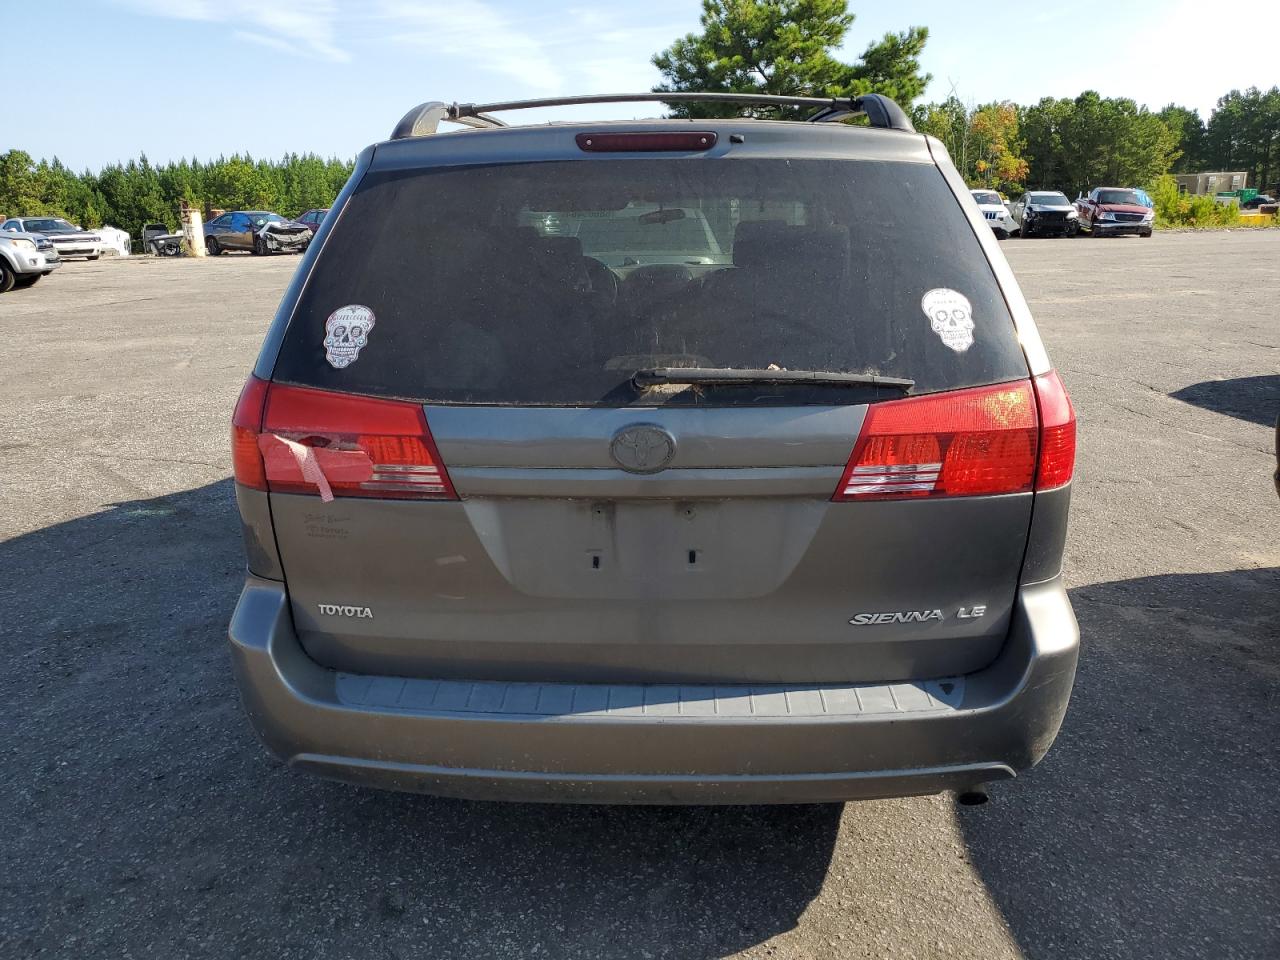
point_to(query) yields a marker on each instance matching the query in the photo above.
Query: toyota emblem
(642, 448)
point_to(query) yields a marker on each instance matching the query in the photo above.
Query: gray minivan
(539, 506)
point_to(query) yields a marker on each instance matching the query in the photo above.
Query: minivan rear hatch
(602, 413)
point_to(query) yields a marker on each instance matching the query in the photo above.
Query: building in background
(1211, 183)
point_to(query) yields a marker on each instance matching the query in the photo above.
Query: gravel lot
(141, 818)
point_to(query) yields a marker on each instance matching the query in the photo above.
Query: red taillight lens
(959, 444)
(245, 425)
(298, 440)
(1058, 433)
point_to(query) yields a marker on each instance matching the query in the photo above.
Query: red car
(313, 218)
(1113, 211)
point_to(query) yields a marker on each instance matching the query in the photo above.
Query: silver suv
(779, 524)
(25, 258)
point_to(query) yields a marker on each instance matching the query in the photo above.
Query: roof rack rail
(424, 119)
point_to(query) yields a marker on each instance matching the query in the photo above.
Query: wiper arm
(722, 375)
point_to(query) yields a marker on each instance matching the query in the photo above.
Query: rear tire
(26, 280)
(93, 257)
(6, 277)
(212, 245)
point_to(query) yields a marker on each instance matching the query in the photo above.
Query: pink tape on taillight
(307, 462)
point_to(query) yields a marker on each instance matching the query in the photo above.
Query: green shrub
(1174, 209)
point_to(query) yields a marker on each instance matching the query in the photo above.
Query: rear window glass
(553, 283)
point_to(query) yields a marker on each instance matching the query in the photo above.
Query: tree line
(1075, 144)
(783, 47)
(127, 195)
(787, 47)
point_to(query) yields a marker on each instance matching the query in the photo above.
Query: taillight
(246, 422)
(1057, 432)
(964, 443)
(1009, 438)
(645, 142)
(336, 445)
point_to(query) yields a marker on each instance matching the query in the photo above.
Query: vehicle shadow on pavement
(1151, 828)
(146, 819)
(1255, 399)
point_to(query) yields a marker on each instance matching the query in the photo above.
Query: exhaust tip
(974, 796)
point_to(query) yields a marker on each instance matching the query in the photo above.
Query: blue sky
(207, 77)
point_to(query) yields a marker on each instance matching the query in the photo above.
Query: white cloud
(476, 34)
(262, 40)
(554, 51)
(292, 25)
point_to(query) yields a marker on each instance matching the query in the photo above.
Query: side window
(240, 221)
(220, 221)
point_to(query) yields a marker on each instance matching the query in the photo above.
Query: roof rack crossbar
(425, 118)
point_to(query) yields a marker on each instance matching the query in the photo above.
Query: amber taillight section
(246, 423)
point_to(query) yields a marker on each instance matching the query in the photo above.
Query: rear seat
(794, 275)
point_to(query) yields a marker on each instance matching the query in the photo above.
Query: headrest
(825, 248)
(560, 247)
(754, 241)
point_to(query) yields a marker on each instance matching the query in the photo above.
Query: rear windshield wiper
(721, 375)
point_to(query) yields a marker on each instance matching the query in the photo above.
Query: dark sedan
(258, 231)
(313, 218)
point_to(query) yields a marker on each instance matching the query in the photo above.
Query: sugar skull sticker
(951, 317)
(345, 332)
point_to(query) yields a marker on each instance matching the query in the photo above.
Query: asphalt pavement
(140, 817)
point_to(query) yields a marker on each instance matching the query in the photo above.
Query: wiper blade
(723, 375)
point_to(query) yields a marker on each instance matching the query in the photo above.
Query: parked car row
(67, 238)
(1105, 212)
(261, 232)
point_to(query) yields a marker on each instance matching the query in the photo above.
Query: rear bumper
(658, 744)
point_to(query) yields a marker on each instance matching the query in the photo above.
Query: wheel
(1025, 232)
(1145, 236)
(212, 245)
(1072, 230)
(260, 247)
(93, 256)
(1001, 234)
(26, 280)
(6, 276)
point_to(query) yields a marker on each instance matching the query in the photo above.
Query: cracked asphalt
(140, 818)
